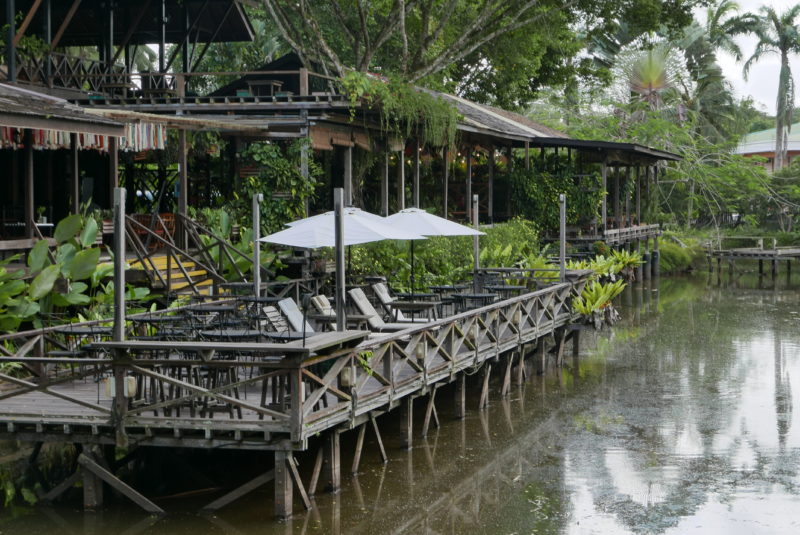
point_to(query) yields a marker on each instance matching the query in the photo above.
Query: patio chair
(375, 320)
(294, 315)
(386, 300)
(322, 307)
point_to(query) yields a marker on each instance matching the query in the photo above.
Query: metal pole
(119, 264)
(562, 236)
(604, 210)
(257, 199)
(446, 181)
(338, 210)
(416, 174)
(401, 181)
(183, 193)
(29, 186)
(385, 186)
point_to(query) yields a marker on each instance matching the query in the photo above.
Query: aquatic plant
(595, 302)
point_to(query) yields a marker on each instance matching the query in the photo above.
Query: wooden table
(255, 87)
(476, 300)
(233, 334)
(506, 290)
(416, 296)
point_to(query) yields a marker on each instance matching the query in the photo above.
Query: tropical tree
(777, 34)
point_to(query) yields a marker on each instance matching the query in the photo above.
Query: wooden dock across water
(772, 255)
(255, 396)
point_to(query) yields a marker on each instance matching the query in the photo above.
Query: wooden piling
(284, 488)
(460, 398)
(331, 462)
(407, 424)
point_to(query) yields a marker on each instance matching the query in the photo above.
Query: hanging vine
(405, 110)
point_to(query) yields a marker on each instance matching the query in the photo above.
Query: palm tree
(778, 34)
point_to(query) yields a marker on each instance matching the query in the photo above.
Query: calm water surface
(681, 420)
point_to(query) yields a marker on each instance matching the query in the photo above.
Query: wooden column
(29, 201)
(638, 196)
(401, 181)
(92, 490)
(461, 396)
(527, 155)
(604, 209)
(331, 462)
(284, 487)
(617, 213)
(407, 424)
(11, 50)
(385, 186)
(348, 176)
(490, 199)
(627, 215)
(468, 198)
(183, 197)
(416, 173)
(446, 181)
(113, 166)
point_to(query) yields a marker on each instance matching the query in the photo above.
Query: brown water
(679, 421)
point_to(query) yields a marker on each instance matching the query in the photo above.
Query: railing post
(562, 237)
(303, 82)
(296, 393)
(11, 49)
(475, 243)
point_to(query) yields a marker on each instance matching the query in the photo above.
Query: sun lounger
(375, 320)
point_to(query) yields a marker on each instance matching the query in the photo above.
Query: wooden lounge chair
(375, 320)
(294, 315)
(322, 307)
(386, 300)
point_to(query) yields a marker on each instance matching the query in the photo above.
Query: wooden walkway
(276, 397)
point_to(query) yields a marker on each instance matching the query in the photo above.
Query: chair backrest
(276, 320)
(323, 308)
(294, 315)
(323, 305)
(386, 300)
(365, 307)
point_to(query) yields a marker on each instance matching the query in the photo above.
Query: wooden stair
(173, 275)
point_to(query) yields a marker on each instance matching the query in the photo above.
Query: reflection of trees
(690, 367)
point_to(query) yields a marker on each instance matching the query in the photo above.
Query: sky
(762, 82)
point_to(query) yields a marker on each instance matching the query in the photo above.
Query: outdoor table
(417, 296)
(232, 334)
(507, 290)
(286, 336)
(160, 319)
(470, 301)
(358, 321)
(372, 279)
(415, 306)
(255, 86)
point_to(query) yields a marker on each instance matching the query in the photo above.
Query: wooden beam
(240, 491)
(119, 485)
(65, 23)
(27, 21)
(186, 34)
(213, 37)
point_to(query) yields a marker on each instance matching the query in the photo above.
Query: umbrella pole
(412, 267)
(257, 198)
(338, 209)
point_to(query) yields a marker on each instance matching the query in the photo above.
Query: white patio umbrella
(427, 224)
(359, 227)
(320, 231)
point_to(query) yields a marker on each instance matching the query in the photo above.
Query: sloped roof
(764, 141)
(22, 108)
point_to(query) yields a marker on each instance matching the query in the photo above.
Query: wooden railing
(268, 395)
(619, 235)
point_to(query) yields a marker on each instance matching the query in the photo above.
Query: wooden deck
(267, 396)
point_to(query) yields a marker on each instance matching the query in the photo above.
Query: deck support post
(92, 491)
(407, 424)
(484, 400)
(774, 268)
(460, 399)
(284, 487)
(362, 430)
(331, 462)
(655, 258)
(521, 365)
(647, 270)
(430, 411)
(760, 267)
(638, 271)
(506, 388)
(576, 343)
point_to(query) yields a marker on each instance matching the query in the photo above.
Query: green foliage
(279, 178)
(447, 260)
(405, 110)
(534, 193)
(595, 302)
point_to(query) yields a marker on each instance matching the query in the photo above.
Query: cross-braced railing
(263, 395)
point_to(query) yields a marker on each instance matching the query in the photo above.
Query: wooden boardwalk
(273, 396)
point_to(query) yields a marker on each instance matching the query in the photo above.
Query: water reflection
(679, 420)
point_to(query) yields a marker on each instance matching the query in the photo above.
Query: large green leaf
(37, 258)
(84, 264)
(68, 228)
(64, 255)
(43, 283)
(11, 289)
(89, 232)
(101, 272)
